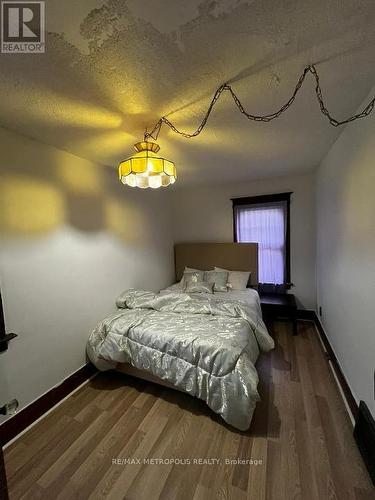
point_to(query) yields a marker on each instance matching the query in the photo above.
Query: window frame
(268, 198)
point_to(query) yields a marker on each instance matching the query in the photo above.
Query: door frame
(3, 477)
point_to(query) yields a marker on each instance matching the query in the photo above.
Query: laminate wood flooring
(119, 437)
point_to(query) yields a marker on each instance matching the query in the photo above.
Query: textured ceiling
(113, 68)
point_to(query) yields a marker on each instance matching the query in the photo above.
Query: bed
(203, 344)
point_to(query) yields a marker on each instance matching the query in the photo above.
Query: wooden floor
(300, 440)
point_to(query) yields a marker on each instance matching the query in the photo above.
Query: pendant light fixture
(146, 169)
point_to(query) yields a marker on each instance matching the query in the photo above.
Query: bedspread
(201, 345)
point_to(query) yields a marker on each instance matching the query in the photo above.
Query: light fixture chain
(264, 118)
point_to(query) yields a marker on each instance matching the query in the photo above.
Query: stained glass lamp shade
(145, 169)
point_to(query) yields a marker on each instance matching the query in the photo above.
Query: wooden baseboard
(21, 420)
(352, 404)
(364, 429)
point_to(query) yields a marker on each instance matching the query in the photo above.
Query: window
(265, 220)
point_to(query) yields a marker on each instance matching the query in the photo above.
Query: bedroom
(74, 239)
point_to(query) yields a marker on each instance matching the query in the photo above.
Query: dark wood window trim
(268, 198)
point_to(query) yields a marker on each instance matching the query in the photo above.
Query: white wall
(72, 238)
(346, 253)
(205, 214)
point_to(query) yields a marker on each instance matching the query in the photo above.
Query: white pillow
(237, 280)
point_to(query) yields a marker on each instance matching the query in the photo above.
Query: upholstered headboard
(205, 256)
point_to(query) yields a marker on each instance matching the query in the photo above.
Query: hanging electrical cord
(262, 118)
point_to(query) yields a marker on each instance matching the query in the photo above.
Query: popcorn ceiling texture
(112, 68)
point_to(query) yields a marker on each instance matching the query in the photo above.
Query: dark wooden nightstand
(279, 305)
